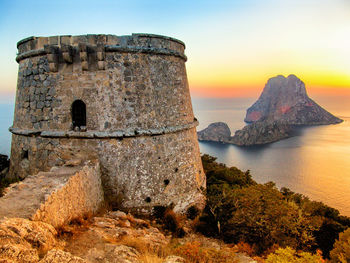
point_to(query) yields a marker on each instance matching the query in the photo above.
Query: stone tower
(123, 100)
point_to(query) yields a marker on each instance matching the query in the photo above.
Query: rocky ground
(112, 237)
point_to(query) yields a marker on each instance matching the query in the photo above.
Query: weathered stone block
(53, 67)
(40, 105)
(83, 56)
(101, 65)
(85, 65)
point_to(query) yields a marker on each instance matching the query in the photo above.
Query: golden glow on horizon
(270, 39)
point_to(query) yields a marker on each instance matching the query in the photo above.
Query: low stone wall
(55, 197)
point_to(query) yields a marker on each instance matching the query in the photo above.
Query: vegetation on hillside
(341, 251)
(241, 210)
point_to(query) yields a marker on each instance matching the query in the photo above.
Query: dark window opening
(24, 154)
(166, 181)
(78, 114)
(176, 170)
(148, 199)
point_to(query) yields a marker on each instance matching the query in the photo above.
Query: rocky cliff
(285, 99)
(283, 105)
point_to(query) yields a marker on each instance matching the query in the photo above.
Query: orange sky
(251, 91)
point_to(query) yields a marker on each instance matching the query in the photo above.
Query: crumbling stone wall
(56, 197)
(139, 118)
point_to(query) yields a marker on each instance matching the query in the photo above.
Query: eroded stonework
(55, 197)
(138, 117)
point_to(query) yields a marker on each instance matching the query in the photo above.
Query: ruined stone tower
(123, 100)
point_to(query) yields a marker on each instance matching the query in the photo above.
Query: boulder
(114, 254)
(216, 132)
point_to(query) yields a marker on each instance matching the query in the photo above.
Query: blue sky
(232, 46)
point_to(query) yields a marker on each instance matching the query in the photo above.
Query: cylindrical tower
(121, 99)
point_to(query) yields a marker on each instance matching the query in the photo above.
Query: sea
(315, 162)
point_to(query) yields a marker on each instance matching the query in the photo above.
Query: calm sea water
(6, 118)
(316, 162)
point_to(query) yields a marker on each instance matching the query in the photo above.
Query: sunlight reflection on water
(316, 162)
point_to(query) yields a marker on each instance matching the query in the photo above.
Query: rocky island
(282, 106)
(217, 132)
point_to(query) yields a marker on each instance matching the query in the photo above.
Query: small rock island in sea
(282, 106)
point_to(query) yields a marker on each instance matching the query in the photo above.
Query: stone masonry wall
(55, 197)
(136, 172)
(133, 90)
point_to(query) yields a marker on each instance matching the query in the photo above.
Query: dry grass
(192, 252)
(151, 258)
(245, 248)
(139, 244)
(76, 226)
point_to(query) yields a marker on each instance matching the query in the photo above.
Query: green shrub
(341, 250)
(239, 209)
(289, 255)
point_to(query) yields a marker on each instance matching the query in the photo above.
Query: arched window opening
(78, 114)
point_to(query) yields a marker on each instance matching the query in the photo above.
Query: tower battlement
(90, 50)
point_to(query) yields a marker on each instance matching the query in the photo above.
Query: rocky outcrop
(256, 133)
(55, 197)
(60, 256)
(217, 132)
(283, 105)
(109, 238)
(285, 99)
(261, 133)
(22, 240)
(114, 237)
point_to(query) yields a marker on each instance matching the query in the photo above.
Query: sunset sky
(233, 47)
